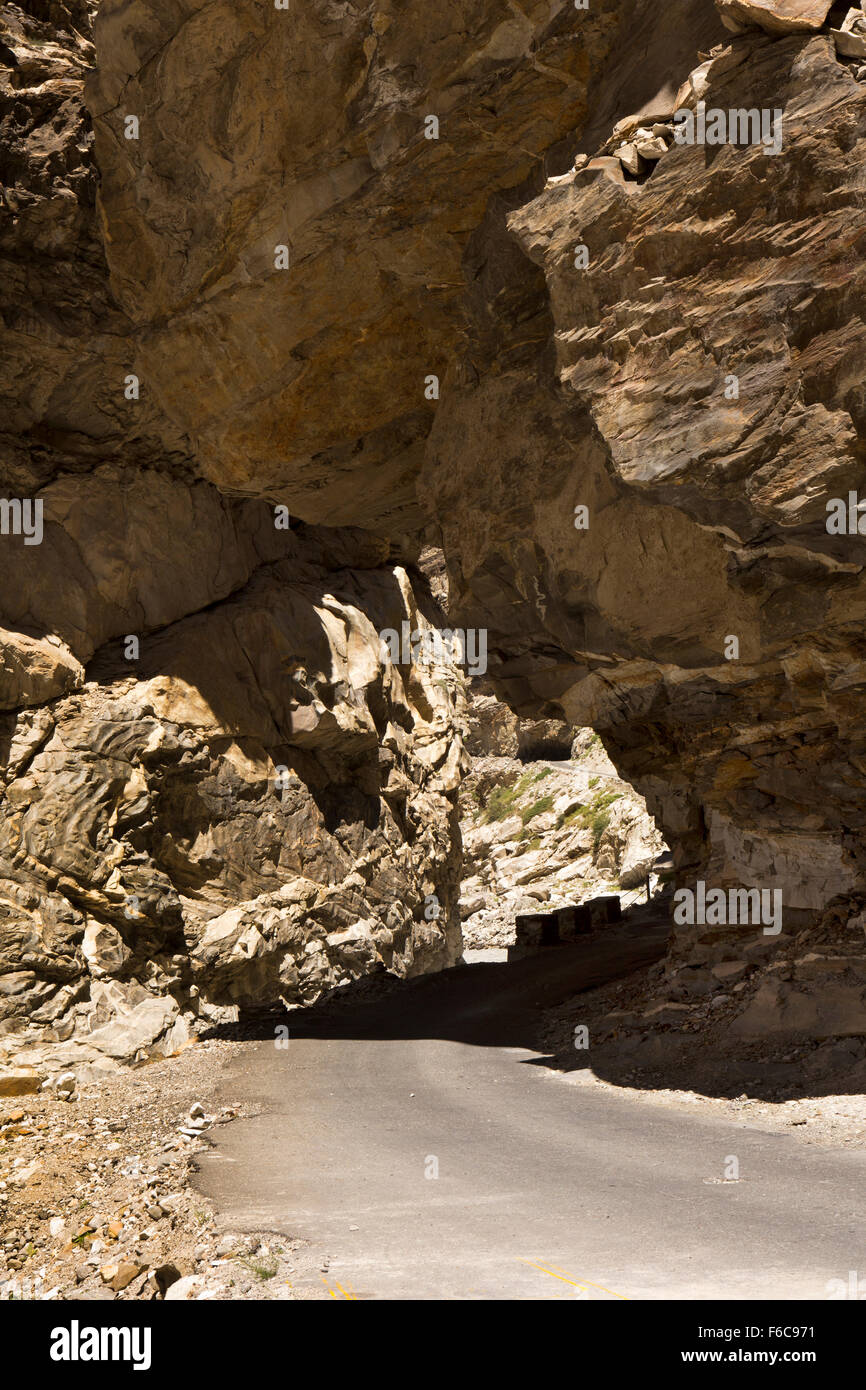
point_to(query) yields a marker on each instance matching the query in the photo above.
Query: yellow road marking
(567, 1278)
(348, 1295)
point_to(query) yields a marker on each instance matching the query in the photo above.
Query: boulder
(776, 16)
(20, 1081)
(786, 1008)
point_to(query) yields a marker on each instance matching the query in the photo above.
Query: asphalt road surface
(424, 1150)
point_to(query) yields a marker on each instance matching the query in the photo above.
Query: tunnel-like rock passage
(296, 294)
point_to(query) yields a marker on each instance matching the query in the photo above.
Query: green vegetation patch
(594, 817)
(502, 801)
(537, 809)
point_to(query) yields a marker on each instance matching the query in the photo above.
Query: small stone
(629, 158)
(729, 970)
(196, 1111)
(57, 1226)
(124, 1273)
(651, 149)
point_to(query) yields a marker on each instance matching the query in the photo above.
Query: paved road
(544, 1189)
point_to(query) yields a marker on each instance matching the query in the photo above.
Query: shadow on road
(508, 1004)
(485, 1005)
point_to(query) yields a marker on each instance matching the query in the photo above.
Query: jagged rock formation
(260, 807)
(694, 384)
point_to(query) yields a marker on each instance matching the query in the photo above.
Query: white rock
(184, 1289)
(103, 948)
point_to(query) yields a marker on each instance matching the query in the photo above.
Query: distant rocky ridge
(542, 834)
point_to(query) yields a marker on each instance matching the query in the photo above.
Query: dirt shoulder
(686, 1059)
(96, 1196)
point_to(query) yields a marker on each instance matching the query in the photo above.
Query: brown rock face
(690, 394)
(259, 807)
(250, 804)
(338, 260)
(300, 371)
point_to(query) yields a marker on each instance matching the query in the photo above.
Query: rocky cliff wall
(412, 273)
(696, 389)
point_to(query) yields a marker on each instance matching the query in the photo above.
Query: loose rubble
(775, 1029)
(97, 1202)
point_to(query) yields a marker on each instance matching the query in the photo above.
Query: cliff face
(698, 389)
(325, 260)
(219, 788)
(259, 808)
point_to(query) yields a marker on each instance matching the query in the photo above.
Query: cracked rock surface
(219, 790)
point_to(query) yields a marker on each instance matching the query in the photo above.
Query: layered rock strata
(428, 273)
